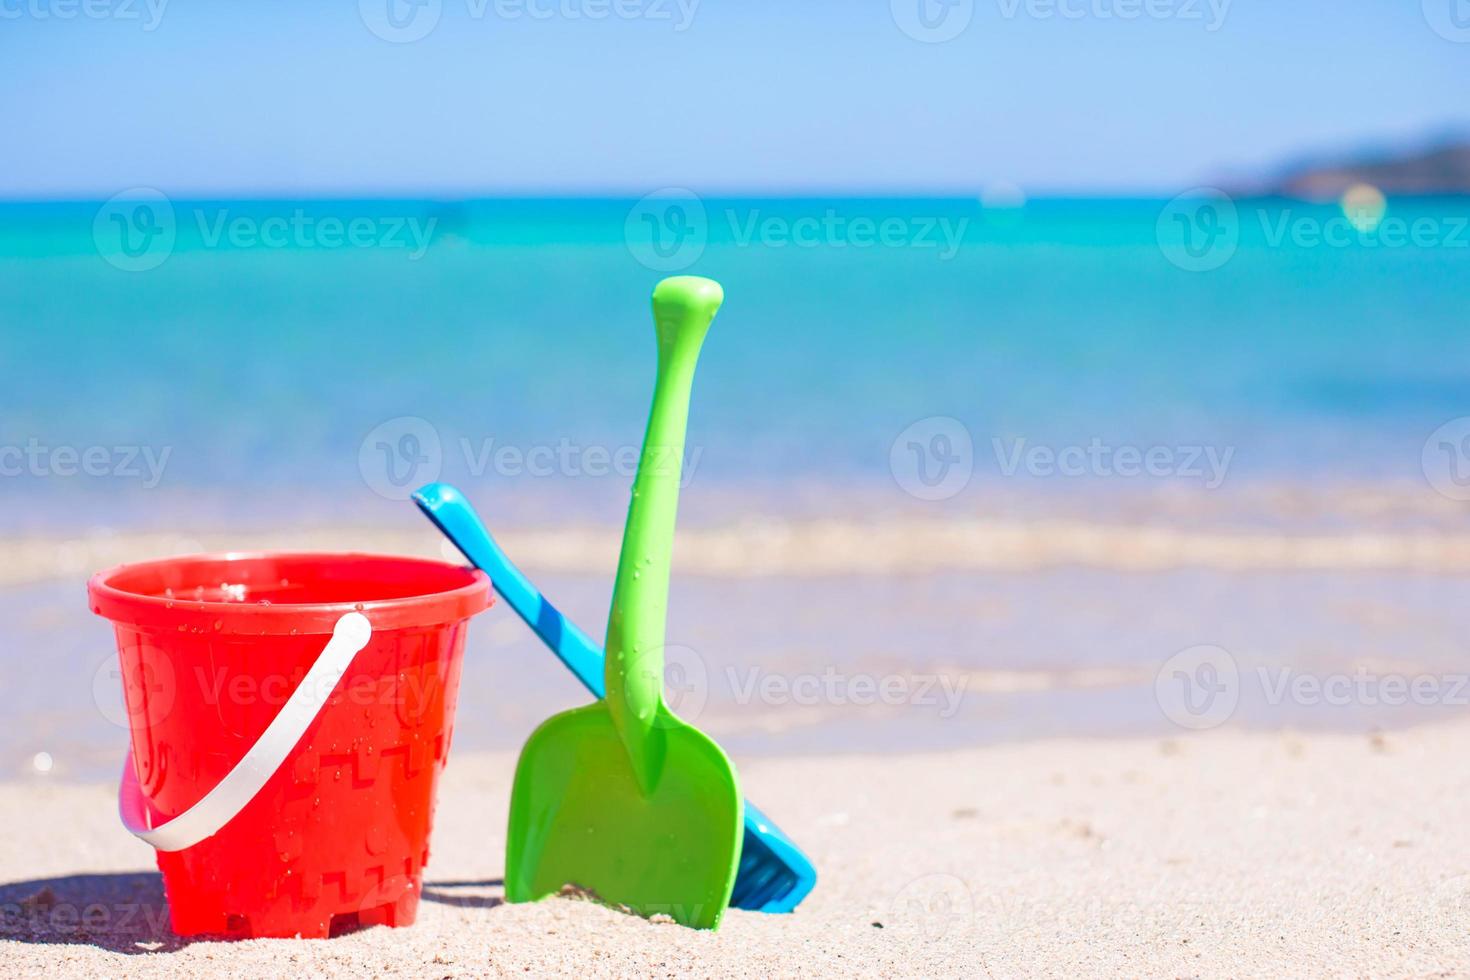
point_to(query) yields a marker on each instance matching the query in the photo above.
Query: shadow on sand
(127, 912)
(466, 894)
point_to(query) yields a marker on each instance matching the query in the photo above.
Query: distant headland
(1443, 168)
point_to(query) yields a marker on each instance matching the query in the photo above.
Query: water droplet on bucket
(358, 607)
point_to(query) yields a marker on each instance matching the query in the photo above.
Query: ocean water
(261, 353)
(243, 372)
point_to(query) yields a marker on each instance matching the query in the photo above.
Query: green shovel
(621, 798)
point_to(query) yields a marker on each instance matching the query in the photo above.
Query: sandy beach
(1204, 855)
(1052, 499)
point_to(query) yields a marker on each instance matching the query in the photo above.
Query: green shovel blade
(581, 818)
(621, 797)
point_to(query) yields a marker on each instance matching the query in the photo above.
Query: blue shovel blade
(774, 874)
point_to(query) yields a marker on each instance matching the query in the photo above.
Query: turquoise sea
(261, 349)
(1223, 378)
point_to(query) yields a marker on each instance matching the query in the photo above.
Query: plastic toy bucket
(290, 715)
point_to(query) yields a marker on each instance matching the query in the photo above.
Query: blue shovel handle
(448, 509)
(761, 885)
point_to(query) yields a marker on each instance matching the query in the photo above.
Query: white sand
(1227, 854)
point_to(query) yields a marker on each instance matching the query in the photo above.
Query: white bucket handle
(219, 806)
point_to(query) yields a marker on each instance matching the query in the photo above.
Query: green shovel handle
(683, 307)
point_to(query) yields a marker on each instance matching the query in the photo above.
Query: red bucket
(290, 715)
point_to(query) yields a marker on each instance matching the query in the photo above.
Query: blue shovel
(774, 876)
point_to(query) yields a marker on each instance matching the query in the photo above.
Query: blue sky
(626, 96)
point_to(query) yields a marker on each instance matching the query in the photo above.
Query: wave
(768, 548)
